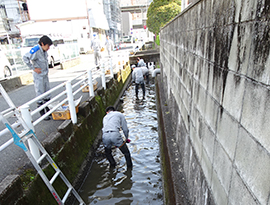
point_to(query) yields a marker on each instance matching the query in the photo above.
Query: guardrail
(72, 87)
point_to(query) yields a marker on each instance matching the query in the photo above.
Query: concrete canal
(142, 184)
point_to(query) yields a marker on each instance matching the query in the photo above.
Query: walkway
(13, 159)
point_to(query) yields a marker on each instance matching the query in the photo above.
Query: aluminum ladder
(21, 140)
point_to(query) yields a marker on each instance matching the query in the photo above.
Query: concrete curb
(16, 82)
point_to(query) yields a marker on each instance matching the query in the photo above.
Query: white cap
(133, 66)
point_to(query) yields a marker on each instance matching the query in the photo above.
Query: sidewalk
(13, 158)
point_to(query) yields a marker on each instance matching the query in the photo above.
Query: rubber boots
(42, 112)
(124, 149)
(46, 108)
(108, 153)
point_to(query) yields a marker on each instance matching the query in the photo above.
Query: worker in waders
(112, 123)
(138, 78)
(37, 60)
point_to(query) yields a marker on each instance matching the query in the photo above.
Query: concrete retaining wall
(16, 82)
(72, 148)
(214, 88)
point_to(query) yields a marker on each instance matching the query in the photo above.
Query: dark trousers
(124, 149)
(42, 112)
(147, 78)
(137, 89)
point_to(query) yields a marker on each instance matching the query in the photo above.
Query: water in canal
(142, 184)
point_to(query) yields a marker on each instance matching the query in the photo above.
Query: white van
(5, 67)
(53, 53)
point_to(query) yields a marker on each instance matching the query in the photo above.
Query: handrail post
(103, 77)
(90, 84)
(71, 103)
(111, 68)
(26, 115)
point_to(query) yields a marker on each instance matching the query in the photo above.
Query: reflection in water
(142, 184)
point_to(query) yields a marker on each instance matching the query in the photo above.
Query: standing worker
(112, 123)
(95, 45)
(140, 62)
(137, 77)
(109, 45)
(37, 60)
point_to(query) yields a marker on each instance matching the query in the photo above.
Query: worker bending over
(112, 123)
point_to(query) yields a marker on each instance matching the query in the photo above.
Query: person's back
(141, 63)
(137, 75)
(114, 121)
(95, 45)
(145, 70)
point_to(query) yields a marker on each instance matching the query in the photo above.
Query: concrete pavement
(13, 158)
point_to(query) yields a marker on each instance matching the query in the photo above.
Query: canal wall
(214, 100)
(71, 147)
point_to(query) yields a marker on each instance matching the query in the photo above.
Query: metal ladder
(21, 140)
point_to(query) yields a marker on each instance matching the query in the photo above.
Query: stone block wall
(214, 87)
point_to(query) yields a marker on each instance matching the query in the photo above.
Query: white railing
(72, 87)
(13, 55)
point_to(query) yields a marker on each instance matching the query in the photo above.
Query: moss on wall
(169, 193)
(74, 149)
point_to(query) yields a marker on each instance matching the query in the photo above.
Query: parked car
(127, 39)
(117, 46)
(53, 52)
(5, 67)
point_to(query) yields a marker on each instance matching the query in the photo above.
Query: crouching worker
(112, 123)
(37, 60)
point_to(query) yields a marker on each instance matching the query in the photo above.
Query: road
(13, 158)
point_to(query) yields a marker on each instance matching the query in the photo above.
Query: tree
(160, 12)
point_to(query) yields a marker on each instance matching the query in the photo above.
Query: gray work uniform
(145, 70)
(112, 123)
(37, 58)
(95, 45)
(141, 63)
(137, 75)
(109, 46)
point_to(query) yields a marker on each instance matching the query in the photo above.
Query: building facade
(12, 12)
(138, 10)
(113, 15)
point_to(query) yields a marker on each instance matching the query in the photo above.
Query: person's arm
(133, 76)
(124, 126)
(91, 46)
(28, 57)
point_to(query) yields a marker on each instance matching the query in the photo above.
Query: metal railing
(72, 87)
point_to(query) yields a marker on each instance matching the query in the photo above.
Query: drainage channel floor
(142, 184)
